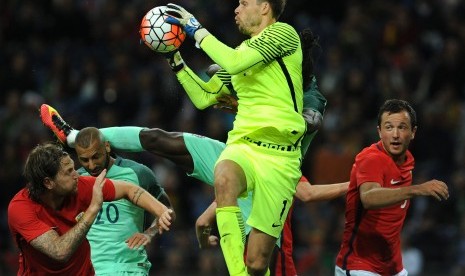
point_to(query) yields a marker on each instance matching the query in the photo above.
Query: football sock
(232, 241)
(124, 138)
(71, 137)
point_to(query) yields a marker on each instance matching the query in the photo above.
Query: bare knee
(256, 266)
(259, 252)
(230, 182)
(226, 190)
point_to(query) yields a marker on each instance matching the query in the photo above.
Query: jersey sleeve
(277, 40)
(203, 94)
(24, 220)
(303, 179)
(108, 190)
(370, 169)
(86, 184)
(313, 99)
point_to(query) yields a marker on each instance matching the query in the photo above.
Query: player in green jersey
(262, 152)
(116, 237)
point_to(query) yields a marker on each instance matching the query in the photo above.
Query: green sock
(232, 241)
(124, 138)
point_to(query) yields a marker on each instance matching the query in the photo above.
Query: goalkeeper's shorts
(272, 176)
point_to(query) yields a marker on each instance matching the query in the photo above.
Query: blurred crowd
(85, 59)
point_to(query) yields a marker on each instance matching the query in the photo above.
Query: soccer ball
(158, 35)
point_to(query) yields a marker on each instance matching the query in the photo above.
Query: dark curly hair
(43, 161)
(309, 42)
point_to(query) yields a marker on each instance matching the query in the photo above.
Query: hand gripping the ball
(177, 15)
(175, 60)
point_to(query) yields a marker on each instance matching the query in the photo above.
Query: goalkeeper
(262, 153)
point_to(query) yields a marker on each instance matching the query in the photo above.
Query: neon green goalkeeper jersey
(118, 220)
(266, 73)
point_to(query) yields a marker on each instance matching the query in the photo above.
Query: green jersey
(313, 100)
(118, 220)
(266, 73)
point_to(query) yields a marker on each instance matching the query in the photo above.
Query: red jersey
(28, 220)
(371, 239)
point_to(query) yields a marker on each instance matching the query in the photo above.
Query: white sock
(71, 138)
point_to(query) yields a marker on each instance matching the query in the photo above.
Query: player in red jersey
(379, 194)
(50, 217)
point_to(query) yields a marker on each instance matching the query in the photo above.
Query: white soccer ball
(158, 35)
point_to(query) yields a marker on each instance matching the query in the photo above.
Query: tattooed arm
(140, 197)
(61, 248)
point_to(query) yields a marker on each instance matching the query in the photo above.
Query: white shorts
(340, 272)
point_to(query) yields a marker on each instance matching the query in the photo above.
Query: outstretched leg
(169, 145)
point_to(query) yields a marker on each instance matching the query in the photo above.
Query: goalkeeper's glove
(177, 15)
(313, 118)
(174, 60)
